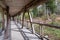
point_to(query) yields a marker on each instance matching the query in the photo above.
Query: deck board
(28, 33)
(20, 34)
(14, 34)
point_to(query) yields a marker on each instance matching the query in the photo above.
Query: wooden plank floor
(2, 36)
(27, 33)
(15, 35)
(20, 34)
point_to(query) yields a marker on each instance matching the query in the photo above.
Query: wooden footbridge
(13, 28)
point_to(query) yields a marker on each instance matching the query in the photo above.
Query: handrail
(54, 26)
(49, 25)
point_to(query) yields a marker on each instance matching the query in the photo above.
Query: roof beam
(29, 5)
(2, 4)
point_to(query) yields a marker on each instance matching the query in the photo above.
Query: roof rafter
(29, 5)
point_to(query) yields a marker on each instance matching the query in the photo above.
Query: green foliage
(35, 11)
(26, 16)
(54, 34)
(51, 5)
(53, 17)
(44, 17)
(41, 10)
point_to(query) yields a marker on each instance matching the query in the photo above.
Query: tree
(51, 5)
(51, 8)
(35, 12)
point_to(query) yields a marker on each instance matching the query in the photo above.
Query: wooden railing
(41, 25)
(46, 25)
(49, 25)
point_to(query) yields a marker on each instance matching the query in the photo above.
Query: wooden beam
(17, 18)
(3, 21)
(2, 5)
(13, 18)
(20, 20)
(30, 19)
(7, 28)
(23, 19)
(22, 10)
(35, 3)
(29, 5)
(49, 25)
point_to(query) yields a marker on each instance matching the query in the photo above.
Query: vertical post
(20, 19)
(3, 21)
(30, 19)
(41, 34)
(7, 28)
(23, 19)
(17, 18)
(27, 25)
(13, 18)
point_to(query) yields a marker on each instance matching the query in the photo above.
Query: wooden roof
(16, 6)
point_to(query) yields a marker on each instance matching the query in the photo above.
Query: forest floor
(54, 34)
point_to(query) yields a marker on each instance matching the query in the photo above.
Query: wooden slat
(31, 4)
(2, 5)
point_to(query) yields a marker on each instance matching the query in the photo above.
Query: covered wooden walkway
(12, 29)
(16, 33)
(21, 34)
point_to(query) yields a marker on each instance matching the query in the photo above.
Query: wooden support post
(41, 34)
(7, 29)
(13, 18)
(17, 18)
(23, 19)
(27, 25)
(7, 32)
(41, 30)
(30, 19)
(3, 21)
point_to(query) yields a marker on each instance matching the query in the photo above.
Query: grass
(53, 33)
